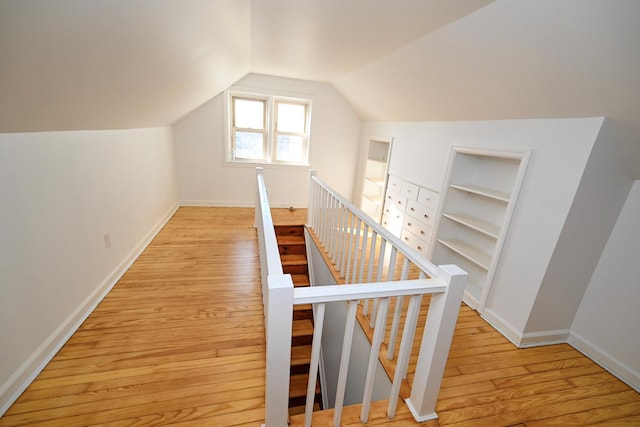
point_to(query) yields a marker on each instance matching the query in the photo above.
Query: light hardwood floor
(180, 341)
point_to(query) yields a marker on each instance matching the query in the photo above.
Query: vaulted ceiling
(109, 64)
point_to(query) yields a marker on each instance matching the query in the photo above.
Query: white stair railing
(358, 247)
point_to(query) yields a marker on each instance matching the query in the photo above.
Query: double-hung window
(268, 129)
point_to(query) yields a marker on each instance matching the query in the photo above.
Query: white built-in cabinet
(478, 200)
(375, 178)
(410, 213)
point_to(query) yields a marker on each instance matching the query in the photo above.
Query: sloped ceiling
(107, 64)
(113, 64)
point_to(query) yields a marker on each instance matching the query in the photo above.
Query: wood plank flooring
(180, 341)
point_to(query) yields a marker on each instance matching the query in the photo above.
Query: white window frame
(270, 128)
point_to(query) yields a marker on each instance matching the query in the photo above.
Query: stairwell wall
(332, 337)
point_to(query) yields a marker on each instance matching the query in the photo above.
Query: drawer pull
(399, 202)
(426, 216)
(406, 239)
(419, 248)
(409, 224)
(412, 209)
(422, 232)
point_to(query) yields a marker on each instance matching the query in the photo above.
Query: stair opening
(293, 255)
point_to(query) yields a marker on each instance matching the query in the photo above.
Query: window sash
(278, 146)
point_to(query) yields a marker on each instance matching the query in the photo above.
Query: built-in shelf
(484, 192)
(375, 178)
(472, 254)
(476, 224)
(480, 192)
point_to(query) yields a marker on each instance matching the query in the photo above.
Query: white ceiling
(108, 64)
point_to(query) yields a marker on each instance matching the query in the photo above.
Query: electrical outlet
(107, 241)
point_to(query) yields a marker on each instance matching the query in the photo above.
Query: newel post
(436, 341)
(311, 202)
(278, 336)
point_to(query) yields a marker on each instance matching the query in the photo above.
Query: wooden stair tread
(302, 307)
(289, 230)
(295, 259)
(297, 410)
(301, 327)
(298, 385)
(300, 280)
(300, 355)
(290, 240)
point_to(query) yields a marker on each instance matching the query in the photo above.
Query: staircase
(293, 255)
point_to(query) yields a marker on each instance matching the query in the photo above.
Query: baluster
(350, 251)
(323, 217)
(381, 257)
(365, 239)
(378, 335)
(316, 344)
(397, 312)
(344, 229)
(344, 361)
(372, 256)
(405, 351)
(353, 250)
(331, 225)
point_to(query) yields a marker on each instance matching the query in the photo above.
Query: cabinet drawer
(417, 227)
(394, 184)
(423, 213)
(429, 198)
(392, 210)
(398, 200)
(415, 242)
(393, 224)
(409, 190)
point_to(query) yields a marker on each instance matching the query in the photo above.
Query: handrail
(356, 244)
(268, 234)
(278, 287)
(421, 262)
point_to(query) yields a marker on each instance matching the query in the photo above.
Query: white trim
(536, 339)
(30, 368)
(621, 370)
(235, 204)
(416, 415)
(502, 326)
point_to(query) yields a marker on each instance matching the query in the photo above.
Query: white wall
(560, 150)
(332, 338)
(205, 179)
(60, 193)
(601, 194)
(607, 324)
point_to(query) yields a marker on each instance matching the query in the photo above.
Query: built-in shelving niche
(375, 177)
(480, 192)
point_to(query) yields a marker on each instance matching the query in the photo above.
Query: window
(268, 129)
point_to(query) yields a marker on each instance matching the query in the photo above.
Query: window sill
(253, 165)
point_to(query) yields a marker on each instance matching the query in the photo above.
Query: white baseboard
(502, 326)
(218, 204)
(536, 339)
(236, 204)
(622, 371)
(29, 370)
(625, 373)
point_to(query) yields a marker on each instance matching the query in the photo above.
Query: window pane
(249, 145)
(289, 148)
(249, 114)
(291, 117)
